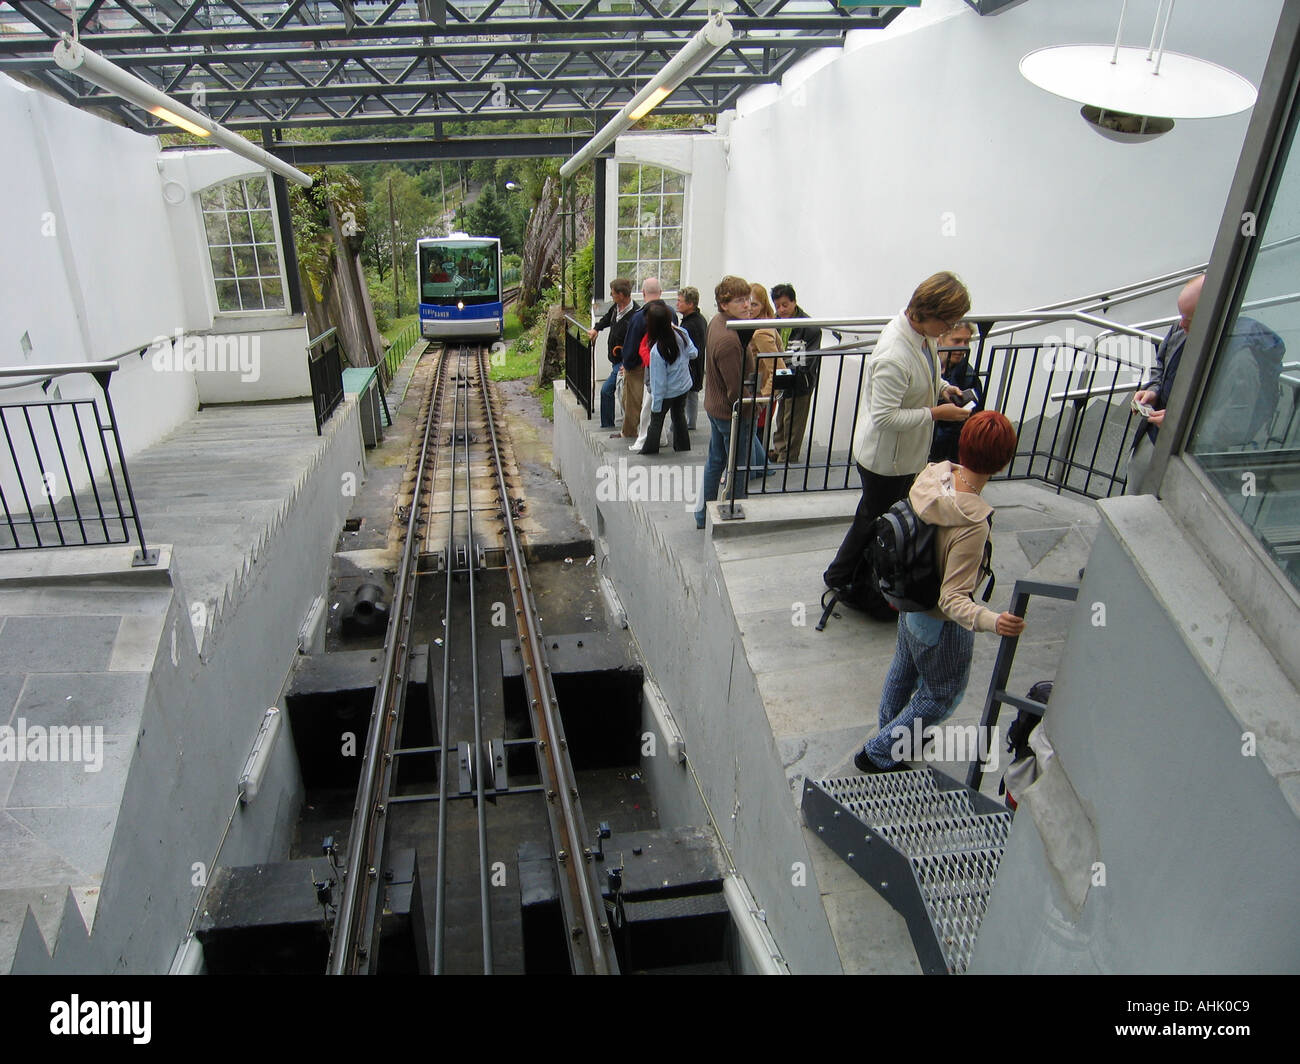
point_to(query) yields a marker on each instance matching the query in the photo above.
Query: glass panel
(240, 230)
(674, 182)
(673, 210)
(672, 244)
(258, 195)
(629, 178)
(627, 245)
(223, 262)
(1246, 434)
(669, 275)
(250, 295)
(263, 229)
(245, 261)
(215, 226)
(625, 268)
(273, 293)
(628, 208)
(268, 261)
(213, 199)
(235, 199)
(227, 295)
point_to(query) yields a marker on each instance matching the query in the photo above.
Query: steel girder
(302, 63)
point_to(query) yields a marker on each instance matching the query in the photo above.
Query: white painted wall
(100, 262)
(921, 148)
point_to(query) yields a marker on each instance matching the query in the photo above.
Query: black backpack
(903, 558)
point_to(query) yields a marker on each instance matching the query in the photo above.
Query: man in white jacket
(899, 405)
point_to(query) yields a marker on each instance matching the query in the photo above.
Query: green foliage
(487, 217)
(582, 271)
(381, 298)
(309, 210)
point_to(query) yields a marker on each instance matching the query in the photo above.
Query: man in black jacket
(688, 306)
(792, 413)
(616, 320)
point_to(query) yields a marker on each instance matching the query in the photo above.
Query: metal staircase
(926, 843)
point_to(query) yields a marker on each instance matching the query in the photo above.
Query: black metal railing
(64, 481)
(1069, 405)
(325, 367)
(577, 362)
(998, 695)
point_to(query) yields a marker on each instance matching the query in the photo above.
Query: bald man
(1155, 393)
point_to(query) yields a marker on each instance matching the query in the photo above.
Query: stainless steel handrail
(43, 372)
(1020, 316)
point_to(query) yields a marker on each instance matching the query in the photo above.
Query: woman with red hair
(932, 658)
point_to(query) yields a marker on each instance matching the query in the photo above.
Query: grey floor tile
(113, 700)
(57, 644)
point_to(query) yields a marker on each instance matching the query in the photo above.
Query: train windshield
(459, 270)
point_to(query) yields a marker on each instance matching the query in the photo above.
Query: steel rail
(354, 926)
(485, 905)
(440, 890)
(591, 946)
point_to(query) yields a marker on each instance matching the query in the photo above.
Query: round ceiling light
(1133, 93)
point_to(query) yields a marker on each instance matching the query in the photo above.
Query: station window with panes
(242, 245)
(651, 203)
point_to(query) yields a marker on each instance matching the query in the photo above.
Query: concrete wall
(200, 720)
(1178, 732)
(712, 694)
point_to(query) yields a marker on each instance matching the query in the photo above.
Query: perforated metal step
(926, 843)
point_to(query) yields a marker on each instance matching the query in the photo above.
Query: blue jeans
(926, 680)
(607, 398)
(719, 437)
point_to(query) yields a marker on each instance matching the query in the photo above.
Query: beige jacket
(894, 423)
(963, 528)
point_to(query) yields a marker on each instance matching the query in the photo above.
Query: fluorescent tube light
(715, 36)
(76, 58)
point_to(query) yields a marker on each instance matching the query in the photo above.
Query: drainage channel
(477, 865)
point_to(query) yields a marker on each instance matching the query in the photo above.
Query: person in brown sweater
(932, 657)
(726, 368)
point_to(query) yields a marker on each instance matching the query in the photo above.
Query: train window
(650, 210)
(242, 248)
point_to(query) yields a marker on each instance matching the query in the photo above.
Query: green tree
(488, 215)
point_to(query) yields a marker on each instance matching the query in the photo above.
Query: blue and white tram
(460, 286)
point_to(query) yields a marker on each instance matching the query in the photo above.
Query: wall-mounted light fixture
(710, 40)
(76, 58)
(259, 758)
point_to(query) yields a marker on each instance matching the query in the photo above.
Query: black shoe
(864, 764)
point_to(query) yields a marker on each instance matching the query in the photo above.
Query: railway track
(459, 491)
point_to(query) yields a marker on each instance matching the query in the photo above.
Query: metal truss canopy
(305, 63)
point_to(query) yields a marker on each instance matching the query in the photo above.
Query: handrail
(45, 372)
(577, 324)
(1020, 316)
(313, 341)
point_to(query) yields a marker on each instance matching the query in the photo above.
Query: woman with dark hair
(671, 351)
(932, 657)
